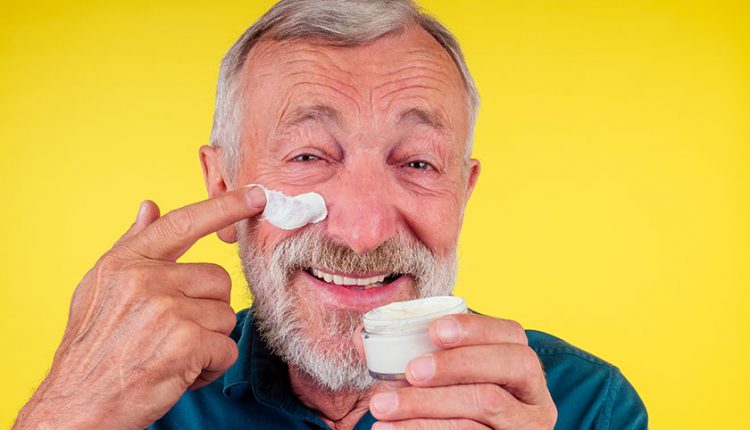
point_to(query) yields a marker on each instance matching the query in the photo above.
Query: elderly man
(370, 104)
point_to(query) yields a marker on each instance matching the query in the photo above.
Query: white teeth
(344, 280)
(348, 281)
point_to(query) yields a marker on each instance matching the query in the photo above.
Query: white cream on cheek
(292, 212)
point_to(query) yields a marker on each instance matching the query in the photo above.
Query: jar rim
(411, 314)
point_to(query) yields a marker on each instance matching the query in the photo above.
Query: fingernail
(448, 331)
(384, 403)
(141, 211)
(256, 196)
(422, 368)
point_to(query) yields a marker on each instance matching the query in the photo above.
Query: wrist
(47, 410)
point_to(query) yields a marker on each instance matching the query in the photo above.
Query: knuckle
(109, 263)
(220, 277)
(529, 362)
(157, 309)
(222, 356)
(136, 278)
(229, 320)
(551, 415)
(178, 223)
(216, 270)
(161, 304)
(132, 286)
(518, 331)
(222, 207)
(232, 352)
(184, 339)
(489, 399)
(190, 374)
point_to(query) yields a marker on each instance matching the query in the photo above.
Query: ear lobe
(214, 176)
(228, 234)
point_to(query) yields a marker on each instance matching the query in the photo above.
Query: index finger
(170, 236)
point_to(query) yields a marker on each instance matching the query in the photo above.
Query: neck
(339, 410)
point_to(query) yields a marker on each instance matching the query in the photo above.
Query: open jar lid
(410, 315)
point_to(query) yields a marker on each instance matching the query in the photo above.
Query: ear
(214, 176)
(474, 168)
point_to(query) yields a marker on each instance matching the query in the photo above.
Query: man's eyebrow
(310, 113)
(421, 116)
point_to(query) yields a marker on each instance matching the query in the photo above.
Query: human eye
(305, 157)
(419, 165)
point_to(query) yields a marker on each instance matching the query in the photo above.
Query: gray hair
(286, 319)
(344, 22)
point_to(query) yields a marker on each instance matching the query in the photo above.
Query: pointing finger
(148, 212)
(171, 235)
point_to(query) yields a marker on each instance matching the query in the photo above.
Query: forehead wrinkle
(306, 74)
(437, 113)
(302, 87)
(316, 112)
(415, 115)
(318, 53)
(419, 81)
(420, 78)
(320, 61)
(400, 89)
(292, 58)
(421, 72)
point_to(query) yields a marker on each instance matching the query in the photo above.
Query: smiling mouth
(357, 283)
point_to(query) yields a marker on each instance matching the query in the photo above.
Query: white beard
(285, 319)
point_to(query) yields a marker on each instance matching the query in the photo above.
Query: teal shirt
(255, 392)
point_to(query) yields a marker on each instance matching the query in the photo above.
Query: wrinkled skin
(380, 131)
(142, 328)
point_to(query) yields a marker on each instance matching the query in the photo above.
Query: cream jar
(396, 333)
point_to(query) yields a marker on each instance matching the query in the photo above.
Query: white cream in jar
(394, 334)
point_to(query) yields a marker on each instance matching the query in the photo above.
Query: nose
(362, 214)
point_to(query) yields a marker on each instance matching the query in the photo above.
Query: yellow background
(612, 209)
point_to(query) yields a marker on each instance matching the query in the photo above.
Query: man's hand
(485, 376)
(142, 328)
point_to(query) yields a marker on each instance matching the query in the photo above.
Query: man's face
(380, 131)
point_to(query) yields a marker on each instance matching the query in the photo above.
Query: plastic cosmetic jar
(396, 333)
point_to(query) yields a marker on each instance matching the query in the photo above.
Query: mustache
(312, 247)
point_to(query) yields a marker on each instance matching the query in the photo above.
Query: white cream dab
(292, 212)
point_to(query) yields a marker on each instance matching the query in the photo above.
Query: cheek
(291, 178)
(264, 237)
(434, 217)
(432, 214)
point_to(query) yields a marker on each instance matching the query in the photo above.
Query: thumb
(148, 212)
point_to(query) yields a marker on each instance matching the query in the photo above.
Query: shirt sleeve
(624, 409)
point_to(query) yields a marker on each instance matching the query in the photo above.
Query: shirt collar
(260, 372)
(266, 376)
(237, 378)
